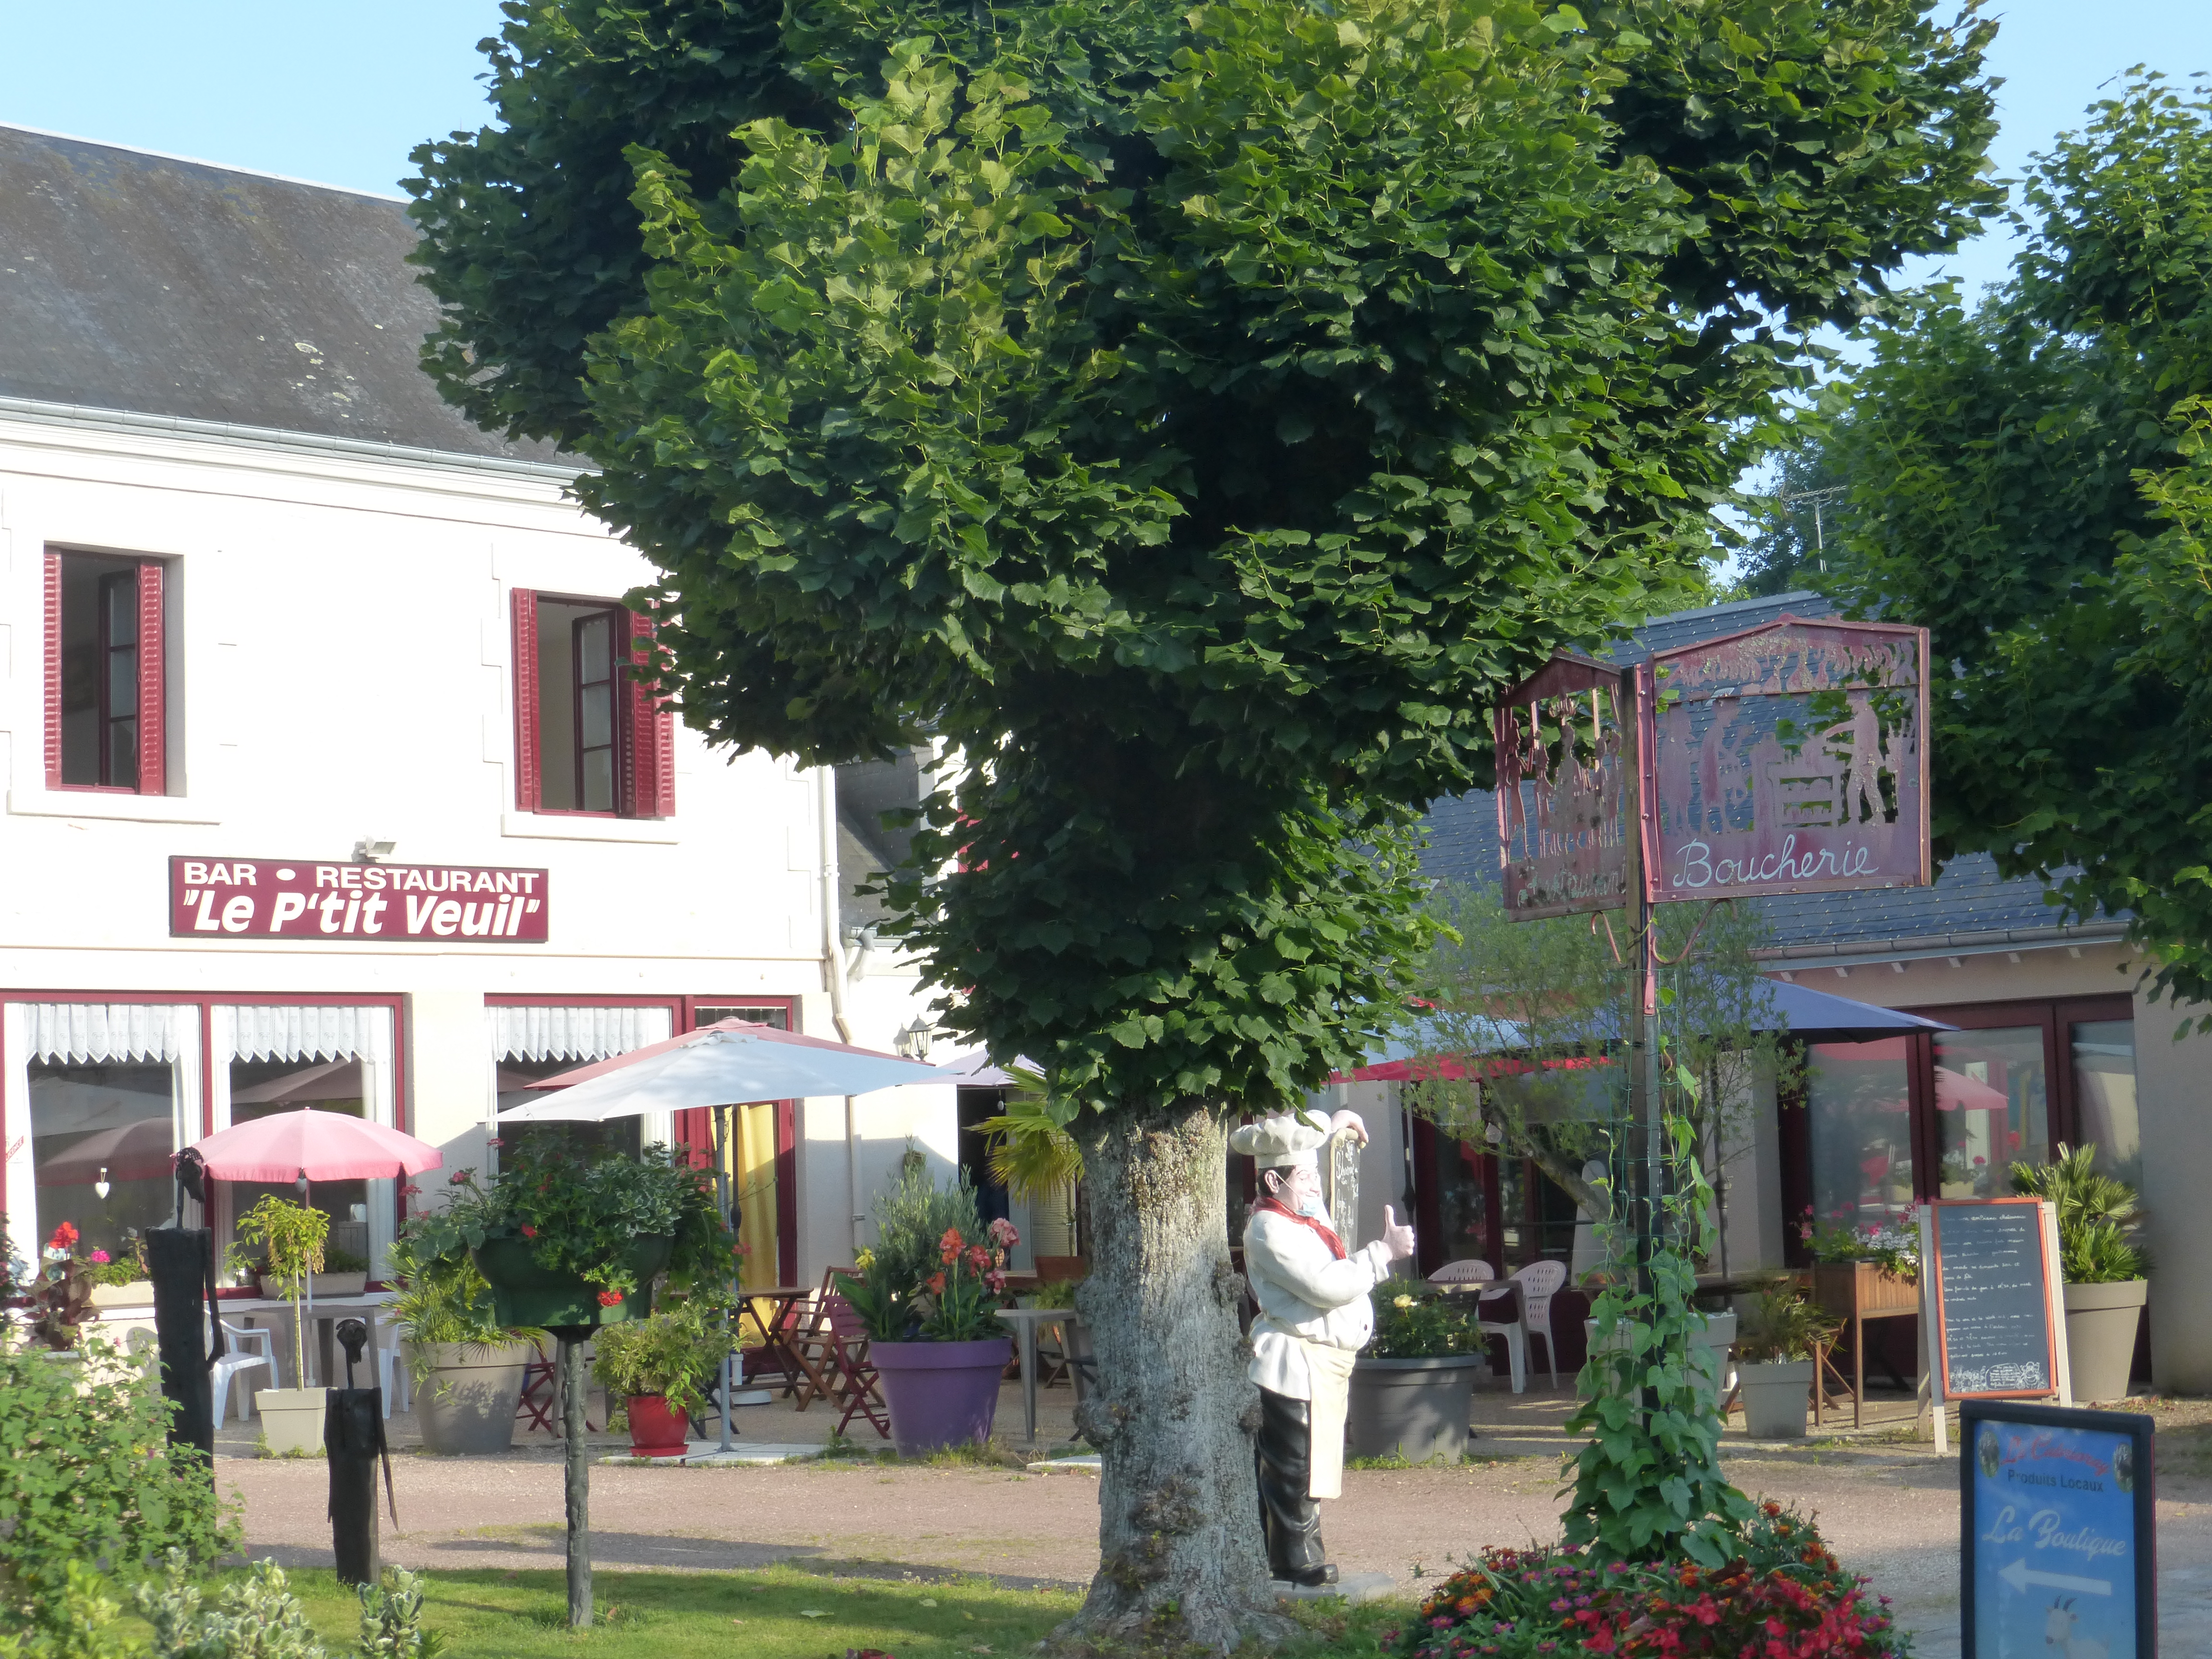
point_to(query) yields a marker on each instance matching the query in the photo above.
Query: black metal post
(571, 1340)
(180, 1260)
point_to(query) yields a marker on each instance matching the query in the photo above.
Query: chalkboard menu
(1993, 1309)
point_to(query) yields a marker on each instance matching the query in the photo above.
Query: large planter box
(2101, 1336)
(528, 1297)
(138, 1293)
(940, 1394)
(291, 1419)
(466, 1404)
(1776, 1396)
(1838, 1287)
(325, 1285)
(1416, 1409)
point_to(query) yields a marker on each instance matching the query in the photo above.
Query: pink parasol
(311, 1146)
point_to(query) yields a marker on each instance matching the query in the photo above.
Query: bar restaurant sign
(399, 903)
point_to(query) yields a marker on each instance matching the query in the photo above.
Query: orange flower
(935, 1286)
(948, 1247)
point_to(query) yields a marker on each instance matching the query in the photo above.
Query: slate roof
(1969, 903)
(157, 286)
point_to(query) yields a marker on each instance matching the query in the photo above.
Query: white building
(324, 776)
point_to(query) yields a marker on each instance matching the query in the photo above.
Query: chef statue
(1314, 1319)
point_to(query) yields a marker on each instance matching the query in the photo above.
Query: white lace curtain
(282, 1031)
(577, 1034)
(93, 1033)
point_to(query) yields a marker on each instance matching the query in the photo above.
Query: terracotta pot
(655, 1429)
(1416, 1409)
(940, 1394)
(2101, 1336)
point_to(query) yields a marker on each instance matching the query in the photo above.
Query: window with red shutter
(106, 674)
(588, 738)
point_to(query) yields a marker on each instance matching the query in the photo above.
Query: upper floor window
(590, 736)
(105, 707)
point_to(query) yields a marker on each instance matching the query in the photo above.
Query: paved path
(1889, 1507)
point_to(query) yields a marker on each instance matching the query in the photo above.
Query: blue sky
(341, 92)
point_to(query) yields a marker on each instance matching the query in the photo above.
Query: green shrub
(1431, 1325)
(912, 1216)
(1782, 1325)
(258, 1616)
(2098, 1215)
(88, 1478)
(673, 1354)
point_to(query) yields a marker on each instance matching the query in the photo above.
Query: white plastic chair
(1514, 1330)
(1466, 1271)
(392, 1373)
(248, 1347)
(1540, 1281)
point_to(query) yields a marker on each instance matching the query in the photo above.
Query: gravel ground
(1887, 1504)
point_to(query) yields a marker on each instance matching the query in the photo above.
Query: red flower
(457, 1178)
(949, 1246)
(935, 1286)
(529, 1232)
(610, 1298)
(64, 1237)
(978, 1259)
(742, 1250)
(410, 1190)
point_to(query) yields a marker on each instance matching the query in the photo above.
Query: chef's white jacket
(1305, 1295)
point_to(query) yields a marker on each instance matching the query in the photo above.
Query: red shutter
(54, 622)
(649, 744)
(153, 685)
(527, 768)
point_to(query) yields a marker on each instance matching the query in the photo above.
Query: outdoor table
(773, 1309)
(327, 1312)
(1025, 1322)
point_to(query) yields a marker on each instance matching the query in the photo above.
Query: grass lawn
(774, 1612)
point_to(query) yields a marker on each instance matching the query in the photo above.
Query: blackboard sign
(2057, 1534)
(1992, 1278)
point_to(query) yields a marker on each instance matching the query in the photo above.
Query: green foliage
(1193, 416)
(1429, 1325)
(87, 1476)
(293, 1236)
(673, 1354)
(255, 1615)
(1893, 1249)
(912, 1216)
(581, 1215)
(1648, 1484)
(391, 1619)
(2031, 479)
(2098, 1215)
(443, 1298)
(1793, 520)
(82, 1625)
(1032, 1154)
(1783, 1323)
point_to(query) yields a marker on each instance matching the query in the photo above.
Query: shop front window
(2103, 1052)
(288, 1057)
(531, 1043)
(1858, 1108)
(113, 1091)
(1991, 1107)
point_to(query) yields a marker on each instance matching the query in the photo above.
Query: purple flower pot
(940, 1393)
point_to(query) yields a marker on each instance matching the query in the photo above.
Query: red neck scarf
(1271, 1205)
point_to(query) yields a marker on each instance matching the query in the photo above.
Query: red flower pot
(655, 1429)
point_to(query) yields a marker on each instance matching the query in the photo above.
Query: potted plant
(1412, 1386)
(293, 1235)
(569, 1243)
(121, 1279)
(661, 1366)
(1873, 1269)
(1775, 1362)
(468, 1368)
(2107, 1273)
(934, 1337)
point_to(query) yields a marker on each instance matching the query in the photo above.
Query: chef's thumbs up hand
(1397, 1237)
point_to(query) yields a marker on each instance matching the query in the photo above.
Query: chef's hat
(1285, 1141)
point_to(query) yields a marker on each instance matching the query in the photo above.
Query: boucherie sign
(403, 903)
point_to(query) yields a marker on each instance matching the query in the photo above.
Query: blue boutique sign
(2058, 1544)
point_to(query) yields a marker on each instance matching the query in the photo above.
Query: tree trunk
(1181, 1561)
(577, 1472)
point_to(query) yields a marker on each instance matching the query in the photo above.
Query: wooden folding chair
(855, 1375)
(812, 1347)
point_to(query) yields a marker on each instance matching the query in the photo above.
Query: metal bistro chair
(855, 1380)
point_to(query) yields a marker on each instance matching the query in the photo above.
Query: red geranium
(64, 1237)
(610, 1298)
(529, 1232)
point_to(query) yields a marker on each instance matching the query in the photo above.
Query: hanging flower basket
(524, 1294)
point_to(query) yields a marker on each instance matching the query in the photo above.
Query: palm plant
(2098, 1215)
(1033, 1155)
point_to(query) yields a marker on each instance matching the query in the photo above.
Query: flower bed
(1783, 1596)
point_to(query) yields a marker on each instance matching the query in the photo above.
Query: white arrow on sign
(2019, 1575)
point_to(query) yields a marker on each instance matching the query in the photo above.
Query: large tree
(1194, 414)
(2032, 478)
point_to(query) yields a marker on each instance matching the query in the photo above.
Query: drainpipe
(833, 962)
